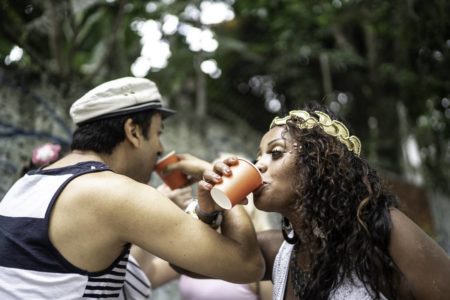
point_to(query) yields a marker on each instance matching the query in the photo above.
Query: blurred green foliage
(363, 58)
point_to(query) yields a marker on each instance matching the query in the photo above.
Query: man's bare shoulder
(105, 188)
(109, 202)
(104, 182)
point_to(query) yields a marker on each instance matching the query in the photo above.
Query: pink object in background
(45, 154)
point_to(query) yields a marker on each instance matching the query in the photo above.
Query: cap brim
(165, 112)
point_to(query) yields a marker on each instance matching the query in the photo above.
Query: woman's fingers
(211, 177)
(206, 203)
(204, 186)
(223, 167)
(231, 160)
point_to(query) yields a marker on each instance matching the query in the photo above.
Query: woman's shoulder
(424, 264)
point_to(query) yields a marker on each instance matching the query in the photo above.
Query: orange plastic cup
(234, 189)
(175, 179)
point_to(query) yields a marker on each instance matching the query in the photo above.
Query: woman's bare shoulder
(423, 263)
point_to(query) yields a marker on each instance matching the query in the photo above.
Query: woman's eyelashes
(277, 153)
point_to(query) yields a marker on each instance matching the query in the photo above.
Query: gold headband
(330, 126)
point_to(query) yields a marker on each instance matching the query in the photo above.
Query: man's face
(151, 148)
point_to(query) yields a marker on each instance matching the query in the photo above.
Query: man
(65, 230)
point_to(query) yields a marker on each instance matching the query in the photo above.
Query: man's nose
(161, 149)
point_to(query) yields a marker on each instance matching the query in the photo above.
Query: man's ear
(132, 132)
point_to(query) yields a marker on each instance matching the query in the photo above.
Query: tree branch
(110, 41)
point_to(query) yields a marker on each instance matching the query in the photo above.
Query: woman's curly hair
(344, 213)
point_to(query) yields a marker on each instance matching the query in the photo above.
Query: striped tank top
(30, 266)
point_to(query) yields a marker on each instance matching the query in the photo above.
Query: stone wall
(29, 116)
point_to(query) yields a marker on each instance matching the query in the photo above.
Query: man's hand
(190, 165)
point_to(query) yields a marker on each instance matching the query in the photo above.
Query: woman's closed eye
(277, 153)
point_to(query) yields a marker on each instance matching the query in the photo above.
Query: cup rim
(165, 157)
(250, 163)
(223, 200)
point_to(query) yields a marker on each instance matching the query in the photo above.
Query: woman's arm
(263, 289)
(158, 271)
(425, 265)
(270, 242)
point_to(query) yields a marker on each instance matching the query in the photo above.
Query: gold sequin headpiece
(330, 126)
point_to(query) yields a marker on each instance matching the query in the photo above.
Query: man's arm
(140, 215)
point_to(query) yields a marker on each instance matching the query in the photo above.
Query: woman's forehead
(274, 134)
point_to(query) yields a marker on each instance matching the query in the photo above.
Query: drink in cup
(233, 189)
(174, 179)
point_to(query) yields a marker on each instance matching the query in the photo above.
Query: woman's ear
(132, 132)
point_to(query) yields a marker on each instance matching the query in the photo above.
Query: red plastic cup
(234, 189)
(174, 179)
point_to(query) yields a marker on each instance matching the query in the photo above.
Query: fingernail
(206, 185)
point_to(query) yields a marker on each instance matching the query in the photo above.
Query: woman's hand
(210, 178)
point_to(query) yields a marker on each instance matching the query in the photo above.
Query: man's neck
(78, 156)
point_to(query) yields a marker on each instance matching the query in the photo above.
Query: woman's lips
(260, 189)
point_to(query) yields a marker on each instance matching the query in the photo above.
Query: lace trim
(350, 289)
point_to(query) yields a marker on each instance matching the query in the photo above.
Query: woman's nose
(261, 166)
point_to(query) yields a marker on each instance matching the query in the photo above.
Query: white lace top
(348, 290)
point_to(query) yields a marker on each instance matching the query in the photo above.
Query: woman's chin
(260, 203)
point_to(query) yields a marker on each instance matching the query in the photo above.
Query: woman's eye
(276, 153)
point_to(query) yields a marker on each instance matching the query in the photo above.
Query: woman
(343, 236)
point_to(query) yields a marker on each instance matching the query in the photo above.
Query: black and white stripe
(30, 266)
(137, 286)
(107, 285)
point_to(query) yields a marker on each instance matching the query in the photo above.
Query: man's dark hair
(102, 136)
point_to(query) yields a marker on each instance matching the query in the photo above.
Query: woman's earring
(288, 232)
